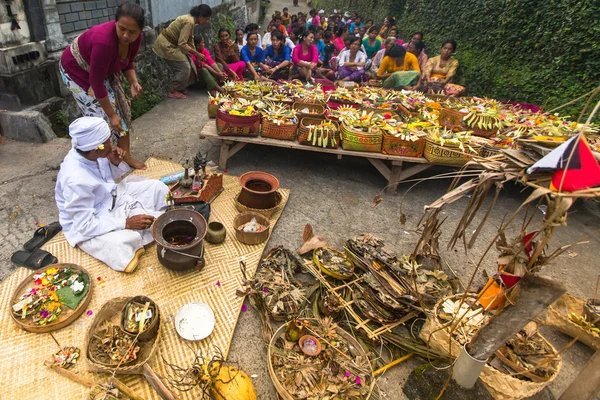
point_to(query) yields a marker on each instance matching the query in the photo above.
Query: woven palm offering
(568, 316)
(449, 148)
(214, 102)
(524, 366)
(319, 132)
(238, 118)
(362, 131)
(279, 121)
(407, 140)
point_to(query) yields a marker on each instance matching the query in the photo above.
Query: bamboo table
(393, 174)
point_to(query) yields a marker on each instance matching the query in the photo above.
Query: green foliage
(263, 10)
(545, 52)
(223, 21)
(60, 124)
(146, 101)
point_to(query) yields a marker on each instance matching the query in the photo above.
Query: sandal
(34, 260)
(42, 235)
(177, 95)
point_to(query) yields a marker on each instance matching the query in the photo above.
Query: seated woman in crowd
(208, 70)
(351, 62)
(338, 42)
(252, 54)
(239, 39)
(388, 23)
(399, 69)
(276, 59)
(266, 40)
(228, 55)
(417, 47)
(440, 70)
(371, 43)
(305, 55)
(388, 44)
(252, 28)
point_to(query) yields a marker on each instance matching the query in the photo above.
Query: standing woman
(227, 54)
(306, 56)
(91, 69)
(351, 62)
(252, 55)
(175, 44)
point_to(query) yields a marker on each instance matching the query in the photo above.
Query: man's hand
(139, 222)
(116, 155)
(115, 122)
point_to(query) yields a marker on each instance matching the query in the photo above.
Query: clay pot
(216, 233)
(258, 190)
(307, 351)
(190, 227)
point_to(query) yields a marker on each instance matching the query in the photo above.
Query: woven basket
(303, 131)
(281, 390)
(270, 129)
(110, 313)
(233, 125)
(251, 238)
(267, 212)
(395, 146)
(316, 110)
(152, 330)
(353, 139)
(488, 151)
(446, 155)
(501, 386)
(558, 317)
(212, 110)
(453, 120)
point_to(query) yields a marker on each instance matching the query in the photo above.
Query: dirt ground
(335, 196)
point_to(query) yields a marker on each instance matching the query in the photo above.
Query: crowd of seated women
(315, 48)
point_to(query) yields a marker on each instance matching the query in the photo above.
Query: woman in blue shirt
(252, 55)
(276, 59)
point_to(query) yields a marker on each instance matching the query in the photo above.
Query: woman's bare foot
(133, 163)
(177, 95)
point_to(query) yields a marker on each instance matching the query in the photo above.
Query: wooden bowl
(251, 238)
(66, 317)
(151, 331)
(307, 352)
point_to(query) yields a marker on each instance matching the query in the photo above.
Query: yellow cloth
(433, 69)
(388, 65)
(181, 31)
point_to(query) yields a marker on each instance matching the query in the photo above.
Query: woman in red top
(91, 68)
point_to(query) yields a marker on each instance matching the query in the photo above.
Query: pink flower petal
(347, 375)
(89, 313)
(219, 283)
(357, 380)
(244, 307)
(265, 290)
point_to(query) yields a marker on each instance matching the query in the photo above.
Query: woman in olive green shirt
(176, 43)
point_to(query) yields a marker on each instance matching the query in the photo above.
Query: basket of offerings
(239, 118)
(567, 315)
(343, 96)
(313, 110)
(524, 366)
(360, 132)
(325, 353)
(449, 148)
(279, 122)
(319, 132)
(407, 140)
(339, 113)
(214, 102)
(278, 98)
(483, 117)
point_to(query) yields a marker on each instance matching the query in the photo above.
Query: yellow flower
(101, 147)
(53, 296)
(44, 281)
(53, 306)
(51, 271)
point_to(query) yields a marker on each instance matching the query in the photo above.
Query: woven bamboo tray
(303, 131)
(501, 386)
(353, 139)
(233, 125)
(316, 110)
(66, 317)
(279, 387)
(558, 317)
(447, 154)
(270, 129)
(395, 146)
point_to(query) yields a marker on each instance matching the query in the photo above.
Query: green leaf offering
(70, 297)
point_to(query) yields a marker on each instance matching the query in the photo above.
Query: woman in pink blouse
(305, 56)
(91, 69)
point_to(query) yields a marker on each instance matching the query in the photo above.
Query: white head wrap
(321, 11)
(347, 14)
(87, 133)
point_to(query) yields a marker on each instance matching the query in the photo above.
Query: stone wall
(14, 29)
(78, 16)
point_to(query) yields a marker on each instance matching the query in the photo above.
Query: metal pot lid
(195, 321)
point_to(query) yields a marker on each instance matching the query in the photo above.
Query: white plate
(195, 321)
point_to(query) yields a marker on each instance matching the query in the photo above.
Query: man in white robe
(107, 220)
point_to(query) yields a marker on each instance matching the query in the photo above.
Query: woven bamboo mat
(22, 371)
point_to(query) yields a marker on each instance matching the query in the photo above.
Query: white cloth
(87, 133)
(289, 43)
(266, 41)
(344, 57)
(84, 197)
